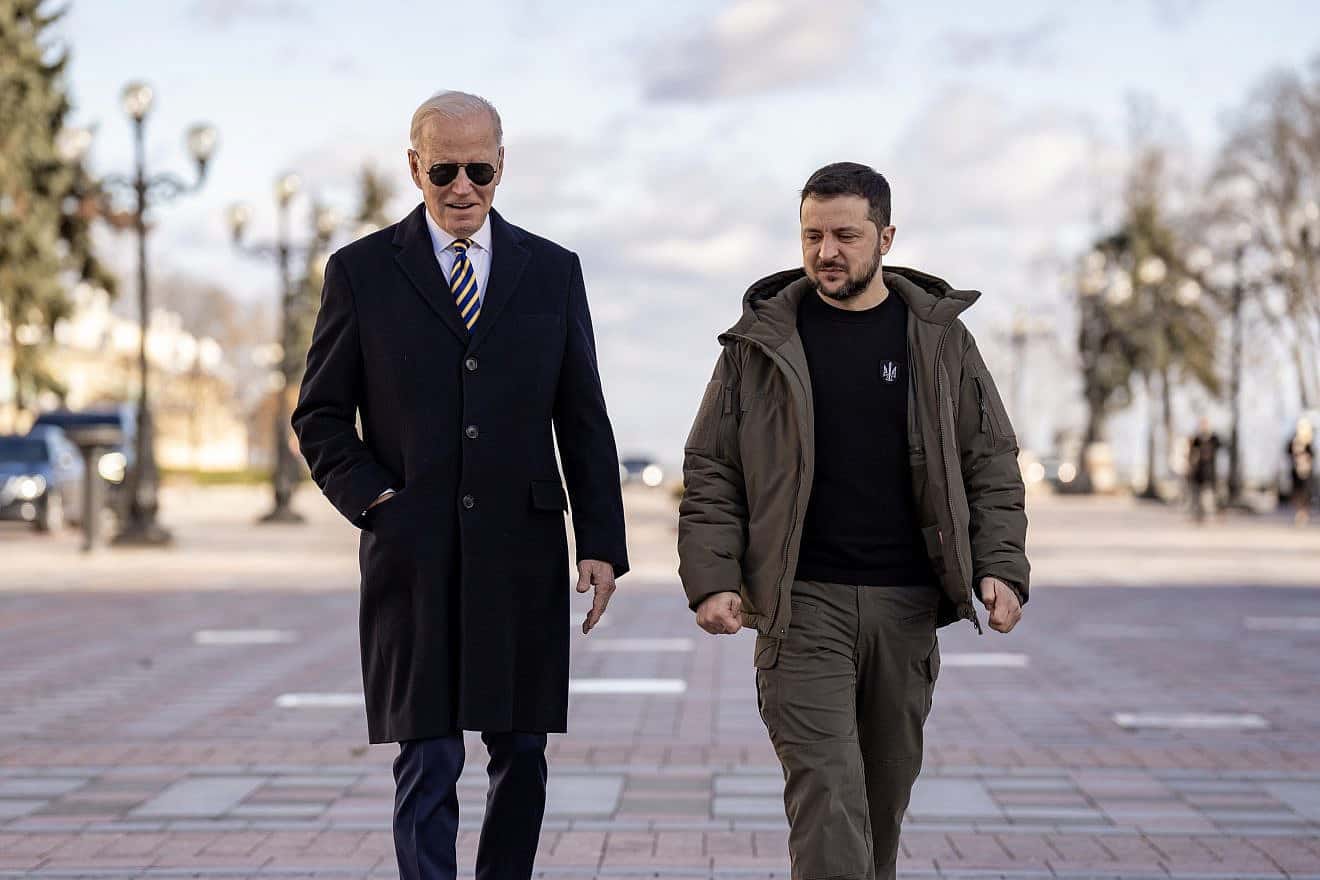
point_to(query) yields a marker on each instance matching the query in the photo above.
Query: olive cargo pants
(844, 696)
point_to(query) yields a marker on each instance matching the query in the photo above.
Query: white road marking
(319, 701)
(1191, 720)
(984, 660)
(621, 686)
(642, 646)
(244, 636)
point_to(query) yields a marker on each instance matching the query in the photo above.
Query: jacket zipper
(788, 372)
(953, 516)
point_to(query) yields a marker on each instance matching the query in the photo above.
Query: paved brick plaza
(137, 739)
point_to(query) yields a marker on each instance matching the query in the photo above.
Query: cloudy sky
(665, 141)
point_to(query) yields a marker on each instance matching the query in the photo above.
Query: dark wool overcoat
(464, 618)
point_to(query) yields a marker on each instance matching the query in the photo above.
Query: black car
(115, 461)
(41, 479)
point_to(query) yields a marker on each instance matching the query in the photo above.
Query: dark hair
(852, 179)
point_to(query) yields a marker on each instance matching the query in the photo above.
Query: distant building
(199, 420)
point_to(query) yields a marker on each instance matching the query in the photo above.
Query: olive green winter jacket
(749, 459)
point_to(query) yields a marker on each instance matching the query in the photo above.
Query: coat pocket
(549, 495)
(388, 519)
(934, 548)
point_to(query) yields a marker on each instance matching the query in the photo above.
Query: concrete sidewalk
(165, 729)
(1072, 542)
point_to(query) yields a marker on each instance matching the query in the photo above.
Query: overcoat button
(471, 432)
(470, 365)
(469, 502)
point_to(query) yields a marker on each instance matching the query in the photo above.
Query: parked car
(41, 479)
(640, 469)
(115, 462)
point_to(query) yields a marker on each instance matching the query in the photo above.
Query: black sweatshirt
(861, 525)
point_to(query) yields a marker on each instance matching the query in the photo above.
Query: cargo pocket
(766, 654)
(931, 667)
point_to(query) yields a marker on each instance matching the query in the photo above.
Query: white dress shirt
(479, 254)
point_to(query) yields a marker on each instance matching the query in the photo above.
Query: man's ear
(415, 167)
(887, 238)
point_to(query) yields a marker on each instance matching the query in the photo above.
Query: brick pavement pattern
(129, 747)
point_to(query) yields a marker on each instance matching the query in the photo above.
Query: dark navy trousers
(426, 806)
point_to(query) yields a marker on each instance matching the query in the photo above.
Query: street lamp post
(1308, 240)
(1022, 331)
(284, 475)
(1151, 272)
(1096, 279)
(143, 479)
(1241, 238)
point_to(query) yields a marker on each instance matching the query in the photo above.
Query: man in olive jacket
(851, 484)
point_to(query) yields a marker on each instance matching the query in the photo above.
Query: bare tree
(1270, 165)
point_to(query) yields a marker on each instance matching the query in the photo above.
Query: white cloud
(729, 250)
(1029, 46)
(1178, 14)
(755, 46)
(224, 13)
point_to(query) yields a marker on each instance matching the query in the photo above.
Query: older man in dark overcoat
(465, 346)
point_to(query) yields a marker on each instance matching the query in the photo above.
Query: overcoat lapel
(511, 254)
(416, 257)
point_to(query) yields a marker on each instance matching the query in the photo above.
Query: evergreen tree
(375, 196)
(47, 199)
(1139, 324)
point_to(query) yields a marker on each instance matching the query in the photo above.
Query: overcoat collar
(416, 257)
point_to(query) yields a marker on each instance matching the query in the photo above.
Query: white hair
(451, 106)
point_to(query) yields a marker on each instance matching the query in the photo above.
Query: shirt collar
(441, 240)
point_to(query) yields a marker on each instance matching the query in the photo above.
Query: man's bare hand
(594, 573)
(1002, 603)
(720, 614)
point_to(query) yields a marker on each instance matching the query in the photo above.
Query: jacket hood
(770, 305)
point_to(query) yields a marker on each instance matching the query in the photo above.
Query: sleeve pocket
(549, 495)
(704, 425)
(994, 415)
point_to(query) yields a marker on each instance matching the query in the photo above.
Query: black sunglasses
(443, 173)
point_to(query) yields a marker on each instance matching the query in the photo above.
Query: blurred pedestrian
(1301, 457)
(465, 344)
(851, 484)
(1203, 470)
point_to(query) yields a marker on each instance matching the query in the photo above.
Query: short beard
(854, 286)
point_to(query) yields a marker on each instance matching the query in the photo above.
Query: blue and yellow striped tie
(463, 280)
